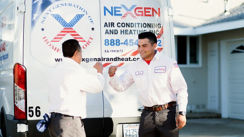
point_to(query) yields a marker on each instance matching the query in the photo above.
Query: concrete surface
(213, 128)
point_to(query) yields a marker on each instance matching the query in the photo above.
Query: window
(188, 50)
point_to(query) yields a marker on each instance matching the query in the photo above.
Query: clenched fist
(112, 70)
(99, 67)
(180, 121)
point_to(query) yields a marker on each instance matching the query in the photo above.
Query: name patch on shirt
(160, 69)
(138, 73)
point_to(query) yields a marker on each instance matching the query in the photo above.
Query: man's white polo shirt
(158, 83)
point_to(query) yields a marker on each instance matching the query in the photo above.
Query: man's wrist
(183, 113)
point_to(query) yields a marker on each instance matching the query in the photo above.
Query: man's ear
(75, 54)
(154, 45)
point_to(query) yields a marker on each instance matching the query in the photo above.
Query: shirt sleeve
(179, 87)
(91, 82)
(121, 83)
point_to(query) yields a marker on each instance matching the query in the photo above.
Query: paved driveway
(213, 128)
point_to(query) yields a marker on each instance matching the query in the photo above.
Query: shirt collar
(156, 56)
(71, 61)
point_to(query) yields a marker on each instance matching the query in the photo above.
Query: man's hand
(180, 121)
(112, 70)
(99, 67)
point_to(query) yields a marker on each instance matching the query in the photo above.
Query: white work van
(31, 34)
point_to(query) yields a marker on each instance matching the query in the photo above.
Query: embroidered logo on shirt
(160, 69)
(138, 73)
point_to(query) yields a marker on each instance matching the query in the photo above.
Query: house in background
(210, 53)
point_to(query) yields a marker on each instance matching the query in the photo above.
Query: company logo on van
(68, 28)
(62, 21)
(2, 46)
(3, 54)
(132, 11)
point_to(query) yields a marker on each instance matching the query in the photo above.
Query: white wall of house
(209, 85)
(231, 95)
(213, 81)
(196, 78)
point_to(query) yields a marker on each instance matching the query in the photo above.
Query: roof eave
(184, 31)
(210, 28)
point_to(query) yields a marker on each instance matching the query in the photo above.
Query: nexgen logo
(67, 28)
(133, 11)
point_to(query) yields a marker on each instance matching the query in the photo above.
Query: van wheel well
(3, 125)
(0, 119)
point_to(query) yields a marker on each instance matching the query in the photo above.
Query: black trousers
(158, 124)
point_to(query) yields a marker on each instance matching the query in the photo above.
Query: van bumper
(93, 128)
(22, 128)
(111, 127)
(15, 128)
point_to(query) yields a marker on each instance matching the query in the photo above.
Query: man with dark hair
(161, 88)
(149, 35)
(68, 84)
(69, 47)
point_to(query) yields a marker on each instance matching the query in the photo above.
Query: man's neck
(151, 57)
(75, 59)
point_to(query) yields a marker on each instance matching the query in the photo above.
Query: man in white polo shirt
(68, 84)
(161, 88)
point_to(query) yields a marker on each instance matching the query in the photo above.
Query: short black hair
(149, 35)
(69, 47)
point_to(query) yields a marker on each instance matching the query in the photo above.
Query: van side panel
(51, 24)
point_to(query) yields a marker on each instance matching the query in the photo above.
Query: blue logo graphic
(68, 28)
(71, 23)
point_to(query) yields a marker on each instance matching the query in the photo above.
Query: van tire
(3, 125)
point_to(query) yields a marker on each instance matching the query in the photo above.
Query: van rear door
(50, 24)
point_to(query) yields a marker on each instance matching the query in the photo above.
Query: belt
(55, 114)
(160, 107)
